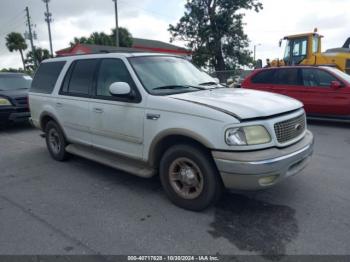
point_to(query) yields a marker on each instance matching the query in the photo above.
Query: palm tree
(16, 42)
(40, 55)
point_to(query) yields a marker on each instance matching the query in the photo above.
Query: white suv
(150, 114)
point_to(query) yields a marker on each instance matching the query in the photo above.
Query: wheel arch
(171, 137)
(46, 117)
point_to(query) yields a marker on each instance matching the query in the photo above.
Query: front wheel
(189, 177)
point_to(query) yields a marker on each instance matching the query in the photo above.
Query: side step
(134, 167)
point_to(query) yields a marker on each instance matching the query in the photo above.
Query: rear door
(318, 96)
(74, 100)
(287, 81)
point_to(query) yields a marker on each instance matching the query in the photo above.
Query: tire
(55, 141)
(189, 177)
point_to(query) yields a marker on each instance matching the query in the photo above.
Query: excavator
(305, 49)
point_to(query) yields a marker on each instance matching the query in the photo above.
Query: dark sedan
(14, 97)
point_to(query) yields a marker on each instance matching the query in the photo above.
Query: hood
(242, 103)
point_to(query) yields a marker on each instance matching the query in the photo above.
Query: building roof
(148, 43)
(139, 45)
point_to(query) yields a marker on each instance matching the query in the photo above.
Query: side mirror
(336, 85)
(119, 89)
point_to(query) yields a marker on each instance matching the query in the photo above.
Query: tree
(100, 38)
(16, 42)
(125, 38)
(12, 70)
(40, 54)
(213, 29)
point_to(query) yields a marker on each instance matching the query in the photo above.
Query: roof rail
(106, 52)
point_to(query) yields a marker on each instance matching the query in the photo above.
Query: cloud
(280, 18)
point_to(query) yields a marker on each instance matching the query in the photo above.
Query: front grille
(289, 129)
(22, 101)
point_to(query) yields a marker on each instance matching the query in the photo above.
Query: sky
(151, 18)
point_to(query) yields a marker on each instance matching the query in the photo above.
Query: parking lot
(80, 207)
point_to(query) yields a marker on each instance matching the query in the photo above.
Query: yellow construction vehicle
(305, 49)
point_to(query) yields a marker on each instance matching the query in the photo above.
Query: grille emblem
(298, 127)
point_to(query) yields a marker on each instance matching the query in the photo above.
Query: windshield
(340, 74)
(14, 82)
(164, 75)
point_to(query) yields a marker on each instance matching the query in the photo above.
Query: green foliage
(100, 38)
(12, 70)
(213, 29)
(16, 42)
(40, 53)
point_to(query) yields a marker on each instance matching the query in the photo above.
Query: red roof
(139, 45)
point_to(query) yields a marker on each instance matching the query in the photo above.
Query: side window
(315, 44)
(317, 78)
(80, 78)
(46, 77)
(110, 71)
(300, 47)
(325, 78)
(288, 76)
(264, 77)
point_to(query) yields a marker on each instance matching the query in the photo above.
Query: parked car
(150, 114)
(14, 89)
(324, 91)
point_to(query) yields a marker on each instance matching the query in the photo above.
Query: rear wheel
(55, 141)
(189, 177)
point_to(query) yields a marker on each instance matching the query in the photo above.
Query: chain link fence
(231, 77)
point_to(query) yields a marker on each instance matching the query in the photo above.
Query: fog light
(268, 180)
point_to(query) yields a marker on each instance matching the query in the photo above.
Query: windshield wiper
(177, 87)
(208, 84)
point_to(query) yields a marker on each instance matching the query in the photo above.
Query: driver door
(116, 122)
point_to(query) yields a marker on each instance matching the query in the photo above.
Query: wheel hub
(188, 176)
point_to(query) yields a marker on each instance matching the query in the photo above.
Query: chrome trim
(269, 161)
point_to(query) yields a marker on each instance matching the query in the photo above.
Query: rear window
(264, 77)
(289, 76)
(80, 78)
(46, 77)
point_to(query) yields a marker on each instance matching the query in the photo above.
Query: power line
(9, 21)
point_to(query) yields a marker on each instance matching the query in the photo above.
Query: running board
(134, 167)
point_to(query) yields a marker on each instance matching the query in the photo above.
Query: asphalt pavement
(81, 207)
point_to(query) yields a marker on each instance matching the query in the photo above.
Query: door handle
(98, 110)
(59, 105)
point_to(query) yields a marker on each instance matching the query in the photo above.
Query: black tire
(211, 186)
(58, 153)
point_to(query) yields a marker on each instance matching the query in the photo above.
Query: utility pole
(116, 23)
(48, 19)
(30, 36)
(255, 51)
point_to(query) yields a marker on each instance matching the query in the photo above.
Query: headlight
(248, 135)
(4, 102)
